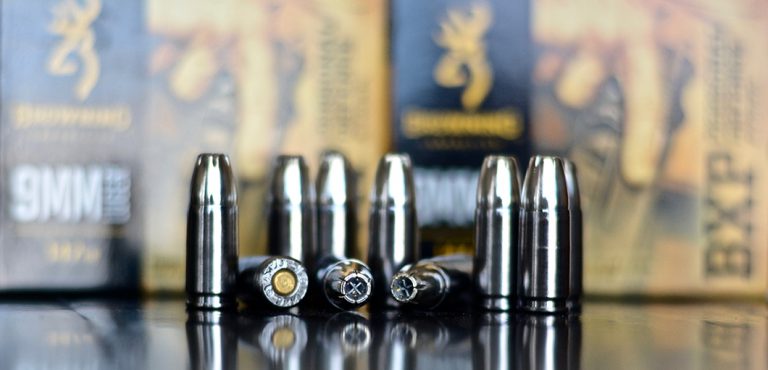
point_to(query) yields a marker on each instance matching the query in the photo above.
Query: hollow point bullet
(544, 259)
(392, 225)
(443, 281)
(212, 255)
(496, 233)
(345, 282)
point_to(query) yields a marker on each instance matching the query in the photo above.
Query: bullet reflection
(279, 341)
(212, 340)
(341, 341)
(526, 341)
(551, 342)
(125, 335)
(493, 341)
(391, 346)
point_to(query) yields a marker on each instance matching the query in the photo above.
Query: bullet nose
(394, 181)
(545, 188)
(356, 288)
(291, 209)
(403, 287)
(336, 207)
(334, 181)
(498, 185)
(572, 184)
(290, 181)
(213, 182)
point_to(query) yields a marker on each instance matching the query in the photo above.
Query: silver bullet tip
(334, 185)
(394, 181)
(290, 181)
(572, 184)
(213, 182)
(356, 288)
(403, 287)
(544, 186)
(498, 183)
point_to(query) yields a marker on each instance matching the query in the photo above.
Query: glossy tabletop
(156, 334)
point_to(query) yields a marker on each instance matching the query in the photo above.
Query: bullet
(392, 224)
(211, 270)
(346, 283)
(544, 284)
(496, 233)
(444, 281)
(336, 207)
(577, 252)
(291, 209)
(270, 281)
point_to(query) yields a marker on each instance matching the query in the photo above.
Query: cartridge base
(543, 305)
(497, 303)
(211, 301)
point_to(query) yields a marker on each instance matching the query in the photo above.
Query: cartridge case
(212, 250)
(496, 233)
(544, 259)
(267, 282)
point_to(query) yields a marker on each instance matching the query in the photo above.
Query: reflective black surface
(162, 335)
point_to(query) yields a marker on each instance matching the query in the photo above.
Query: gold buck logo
(465, 62)
(72, 21)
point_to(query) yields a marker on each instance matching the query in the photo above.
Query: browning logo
(72, 21)
(465, 62)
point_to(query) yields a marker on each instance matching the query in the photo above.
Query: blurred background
(105, 104)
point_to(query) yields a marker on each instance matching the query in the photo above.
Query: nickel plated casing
(211, 268)
(496, 233)
(393, 230)
(269, 281)
(545, 236)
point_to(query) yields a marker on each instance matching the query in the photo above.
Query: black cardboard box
(461, 85)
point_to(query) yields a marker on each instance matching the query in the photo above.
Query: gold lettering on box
(75, 52)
